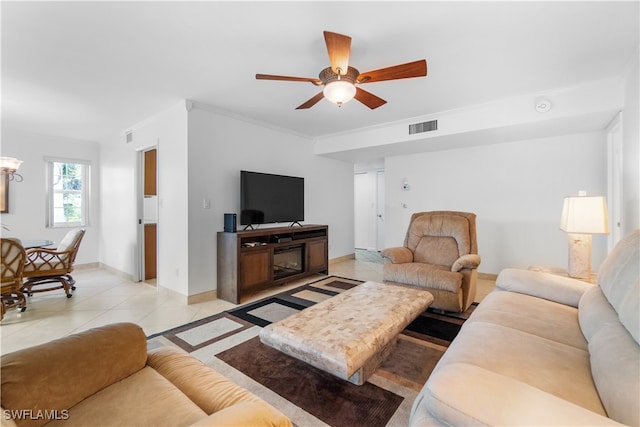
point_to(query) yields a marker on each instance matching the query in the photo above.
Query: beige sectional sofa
(542, 350)
(105, 377)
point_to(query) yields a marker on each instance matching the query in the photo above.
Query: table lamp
(583, 216)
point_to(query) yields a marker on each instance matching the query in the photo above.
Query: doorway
(369, 211)
(148, 218)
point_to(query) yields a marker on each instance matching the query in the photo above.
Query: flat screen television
(267, 198)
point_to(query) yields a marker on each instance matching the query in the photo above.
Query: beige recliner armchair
(440, 253)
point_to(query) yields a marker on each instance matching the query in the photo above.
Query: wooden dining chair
(52, 266)
(11, 270)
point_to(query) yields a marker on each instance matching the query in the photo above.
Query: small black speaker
(230, 223)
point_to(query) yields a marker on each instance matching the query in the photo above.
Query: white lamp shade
(585, 215)
(10, 163)
(339, 91)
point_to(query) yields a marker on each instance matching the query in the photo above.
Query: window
(68, 192)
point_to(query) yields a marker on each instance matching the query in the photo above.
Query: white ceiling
(86, 70)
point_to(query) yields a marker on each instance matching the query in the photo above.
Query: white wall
(167, 130)
(583, 108)
(516, 189)
(630, 150)
(27, 199)
(200, 155)
(219, 147)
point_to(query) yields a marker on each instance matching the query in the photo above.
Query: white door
(364, 212)
(380, 207)
(614, 178)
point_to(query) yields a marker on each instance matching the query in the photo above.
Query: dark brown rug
(229, 343)
(311, 388)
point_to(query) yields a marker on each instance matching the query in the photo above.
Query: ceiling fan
(340, 80)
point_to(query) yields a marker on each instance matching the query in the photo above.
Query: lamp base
(579, 255)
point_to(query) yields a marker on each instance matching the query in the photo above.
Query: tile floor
(102, 297)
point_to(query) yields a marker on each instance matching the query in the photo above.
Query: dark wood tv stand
(253, 260)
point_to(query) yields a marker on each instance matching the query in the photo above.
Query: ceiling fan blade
(339, 48)
(288, 78)
(369, 99)
(403, 71)
(310, 103)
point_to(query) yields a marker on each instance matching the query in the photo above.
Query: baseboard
(487, 276)
(117, 272)
(342, 258)
(202, 297)
(86, 266)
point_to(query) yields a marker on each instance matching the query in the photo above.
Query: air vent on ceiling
(423, 127)
(129, 137)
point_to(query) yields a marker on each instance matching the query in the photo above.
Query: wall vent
(128, 137)
(423, 127)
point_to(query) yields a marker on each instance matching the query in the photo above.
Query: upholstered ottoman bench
(351, 334)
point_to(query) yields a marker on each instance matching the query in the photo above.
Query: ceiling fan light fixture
(339, 91)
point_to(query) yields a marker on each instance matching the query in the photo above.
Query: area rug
(229, 343)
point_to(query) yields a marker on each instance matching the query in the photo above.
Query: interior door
(380, 208)
(614, 180)
(363, 209)
(148, 215)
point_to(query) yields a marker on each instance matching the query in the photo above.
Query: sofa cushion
(563, 290)
(39, 377)
(614, 355)
(536, 316)
(594, 311)
(615, 364)
(145, 398)
(242, 414)
(418, 274)
(619, 278)
(550, 366)
(509, 402)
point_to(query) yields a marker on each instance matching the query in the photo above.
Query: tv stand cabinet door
(317, 256)
(255, 269)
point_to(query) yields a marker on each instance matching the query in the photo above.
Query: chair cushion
(13, 258)
(54, 266)
(424, 275)
(438, 239)
(69, 239)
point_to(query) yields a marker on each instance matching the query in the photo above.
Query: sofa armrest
(510, 402)
(398, 255)
(208, 389)
(61, 373)
(563, 290)
(243, 414)
(470, 261)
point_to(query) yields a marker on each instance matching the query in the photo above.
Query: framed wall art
(4, 193)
